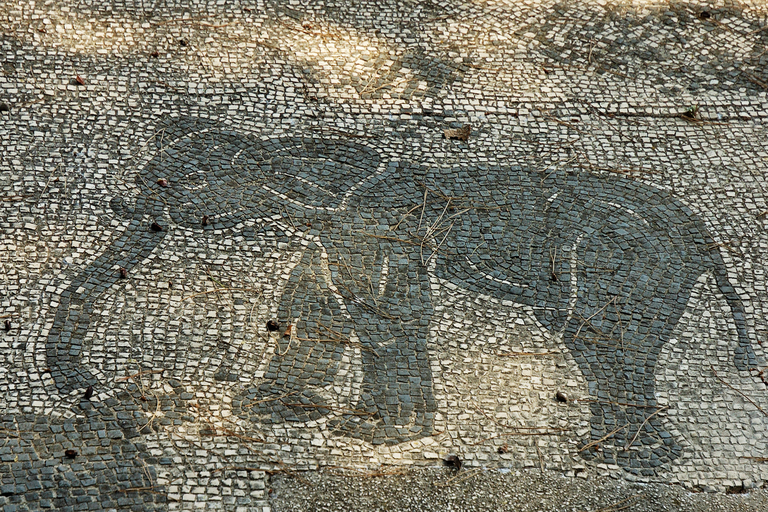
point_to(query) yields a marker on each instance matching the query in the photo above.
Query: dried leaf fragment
(458, 133)
(79, 80)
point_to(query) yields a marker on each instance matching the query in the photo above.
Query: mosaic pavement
(238, 241)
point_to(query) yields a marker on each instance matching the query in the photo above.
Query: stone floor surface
(295, 255)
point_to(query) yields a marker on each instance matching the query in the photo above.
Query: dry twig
(138, 374)
(455, 479)
(643, 425)
(271, 399)
(619, 505)
(609, 434)
(522, 354)
(541, 459)
(739, 392)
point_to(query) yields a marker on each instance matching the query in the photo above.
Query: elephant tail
(744, 357)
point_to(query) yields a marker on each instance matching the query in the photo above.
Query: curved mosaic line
(606, 261)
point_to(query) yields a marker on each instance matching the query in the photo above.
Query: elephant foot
(638, 453)
(368, 423)
(278, 405)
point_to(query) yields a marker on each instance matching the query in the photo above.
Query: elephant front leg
(314, 368)
(358, 354)
(391, 315)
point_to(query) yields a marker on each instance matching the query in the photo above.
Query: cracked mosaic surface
(174, 177)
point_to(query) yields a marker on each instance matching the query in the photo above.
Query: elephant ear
(512, 246)
(489, 255)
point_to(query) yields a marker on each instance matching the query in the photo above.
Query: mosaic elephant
(606, 262)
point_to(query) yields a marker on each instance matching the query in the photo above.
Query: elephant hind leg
(619, 365)
(301, 380)
(631, 437)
